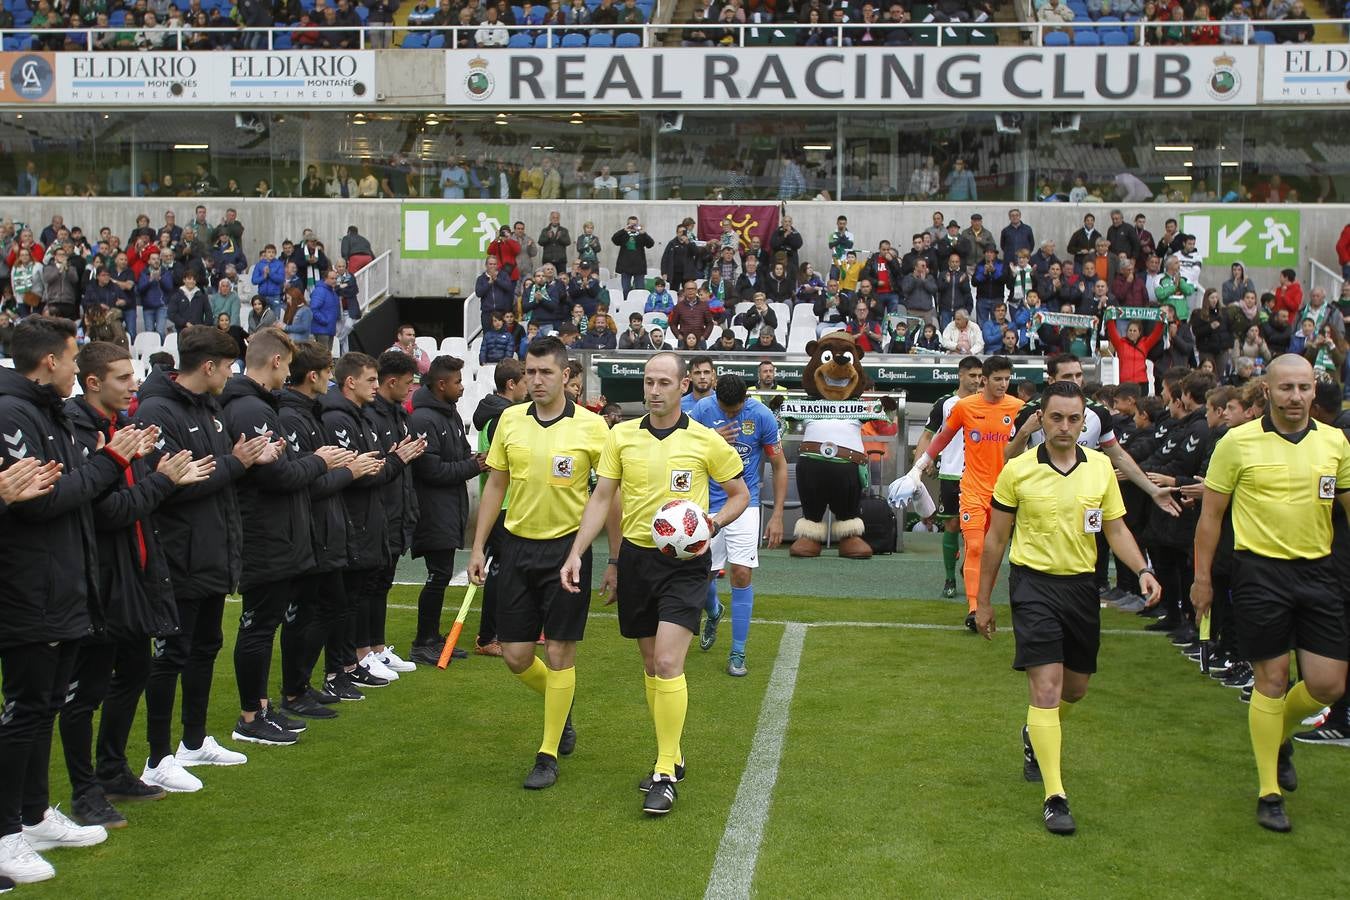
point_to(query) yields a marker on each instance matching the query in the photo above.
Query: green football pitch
(872, 751)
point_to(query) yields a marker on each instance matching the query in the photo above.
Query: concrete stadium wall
(379, 220)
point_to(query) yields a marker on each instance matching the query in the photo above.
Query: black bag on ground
(880, 529)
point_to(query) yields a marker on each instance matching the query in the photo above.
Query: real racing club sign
(1003, 77)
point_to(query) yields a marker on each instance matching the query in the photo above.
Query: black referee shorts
(655, 588)
(949, 497)
(1055, 619)
(1288, 604)
(530, 595)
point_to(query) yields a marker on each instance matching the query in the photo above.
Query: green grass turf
(901, 776)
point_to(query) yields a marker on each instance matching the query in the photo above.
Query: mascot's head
(835, 371)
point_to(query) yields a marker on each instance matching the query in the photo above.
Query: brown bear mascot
(831, 465)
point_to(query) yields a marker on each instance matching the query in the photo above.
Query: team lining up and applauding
(129, 530)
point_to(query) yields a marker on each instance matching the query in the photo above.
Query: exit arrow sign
(445, 234)
(1228, 242)
(450, 230)
(1264, 238)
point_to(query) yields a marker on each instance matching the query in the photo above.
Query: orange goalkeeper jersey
(987, 426)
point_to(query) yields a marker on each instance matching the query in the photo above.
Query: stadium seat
(454, 346)
(1115, 39)
(1108, 20)
(520, 41)
(784, 315)
(415, 41)
(541, 42)
(627, 41)
(651, 320)
(634, 302)
(1053, 39)
(146, 343)
(1263, 37)
(427, 344)
(117, 18)
(22, 17)
(602, 39)
(573, 40)
(171, 346)
(519, 13)
(281, 40)
(362, 12)
(436, 42)
(1084, 37)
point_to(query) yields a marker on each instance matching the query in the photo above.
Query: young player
(951, 465)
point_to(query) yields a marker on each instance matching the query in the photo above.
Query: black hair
(310, 356)
(700, 360)
(508, 370)
(351, 365)
(548, 345)
(1053, 363)
(1062, 389)
(1327, 397)
(443, 367)
(36, 337)
(395, 364)
(1127, 391)
(199, 345)
(730, 389)
(968, 362)
(996, 364)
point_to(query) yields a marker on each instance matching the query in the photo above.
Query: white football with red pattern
(681, 529)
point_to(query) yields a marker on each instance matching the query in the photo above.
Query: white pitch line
(734, 868)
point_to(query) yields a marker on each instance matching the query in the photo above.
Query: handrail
(1325, 277)
(652, 35)
(372, 281)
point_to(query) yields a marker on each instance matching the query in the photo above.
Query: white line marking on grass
(734, 868)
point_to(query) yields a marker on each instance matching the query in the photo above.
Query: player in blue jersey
(750, 427)
(702, 379)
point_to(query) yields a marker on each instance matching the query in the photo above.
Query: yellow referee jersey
(1282, 487)
(550, 466)
(654, 468)
(1059, 514)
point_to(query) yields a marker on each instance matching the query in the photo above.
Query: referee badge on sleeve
(1326, 487)
(1092, 521)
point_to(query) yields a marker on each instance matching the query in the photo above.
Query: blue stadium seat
(22, 17)
(117, 18)
(626, 41)
(1086, 37)
(1263, 37)
(601, 40)
(1052, 39)
(436, 42)
(1114, 39)
(1106, 20)
(541, 42)
(415, 41)
(520, 41)
(281, 40)
(519, 13)
(362, 12)
(19, 42)
(574, 40)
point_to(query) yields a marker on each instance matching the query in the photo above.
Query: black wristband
(613, 562)
(1146, 570)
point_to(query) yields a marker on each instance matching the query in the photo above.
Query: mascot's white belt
(831, 450)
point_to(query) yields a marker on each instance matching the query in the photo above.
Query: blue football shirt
(756, 428)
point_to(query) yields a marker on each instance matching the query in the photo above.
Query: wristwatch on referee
(1146, 570)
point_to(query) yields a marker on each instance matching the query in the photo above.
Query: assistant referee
(1060, 496)
(1280, 473)
(544, 452)
(650, 461)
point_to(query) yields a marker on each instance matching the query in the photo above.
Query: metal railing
(926, 33)
(372, 281)
(1325, 277)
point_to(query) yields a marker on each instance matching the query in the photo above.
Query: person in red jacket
(505, 249)
(1132, 350)
(1343, 252)
(1289, 295)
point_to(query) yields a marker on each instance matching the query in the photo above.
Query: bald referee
(544, 452)
(649, 461)
(1060, 496)
(1280, 474)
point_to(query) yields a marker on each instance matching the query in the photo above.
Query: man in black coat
(633, 242)
(356, 378)
(50, 581)
(274, 502)
(202, 537)
(135, 593)
(442, 476)
(317, 616)
(398, 373)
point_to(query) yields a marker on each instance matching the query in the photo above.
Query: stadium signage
(1306, 73)
(886, 375)
(993, 76)
(344, 77)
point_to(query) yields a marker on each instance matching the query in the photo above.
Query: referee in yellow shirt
(661, 457)
(544, 452)
(1060, 496)
(1280, 474)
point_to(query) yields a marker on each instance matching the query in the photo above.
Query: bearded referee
(1060, 496)
(650, 461)
(544, 452)
(1280, 474)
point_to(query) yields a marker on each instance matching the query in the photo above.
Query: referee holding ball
(1060, 496)
(1281, 474)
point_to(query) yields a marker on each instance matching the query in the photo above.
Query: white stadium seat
(427, 345)
(171, 346)
(456, 347)
(146, 342)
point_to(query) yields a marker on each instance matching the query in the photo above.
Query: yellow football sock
(1065, 707)
(1265, 719)
(668, 711)
(649, 682)
(1043, 731)
(562, 686)
(1298, 705)
(535, 677)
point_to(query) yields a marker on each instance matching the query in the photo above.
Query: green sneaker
(736, 665)
(709, 636)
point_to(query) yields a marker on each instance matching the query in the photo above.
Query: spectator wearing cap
(953, 241)
(584, 287)
(981, 239)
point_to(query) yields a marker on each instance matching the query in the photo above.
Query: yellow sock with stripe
(1265, 719)
(562, 686)
(1044, 734)
(668, 711)
(1298, 705)
(535, 677)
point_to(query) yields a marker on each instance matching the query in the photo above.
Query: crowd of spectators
(958, 288)
(1172, 23)
(165, 277)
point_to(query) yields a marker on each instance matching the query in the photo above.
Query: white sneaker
(56, 831)
(392, 660)
(377, 668)
(209, 754)
(171, 776)
(20, 862)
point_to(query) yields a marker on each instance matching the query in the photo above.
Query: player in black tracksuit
(1171, 539)
(203, 542)
(51, 569)
(274, 502)
(509, 380)
(135, 592)
(318, 612)
(357, 381)
(397, 372)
